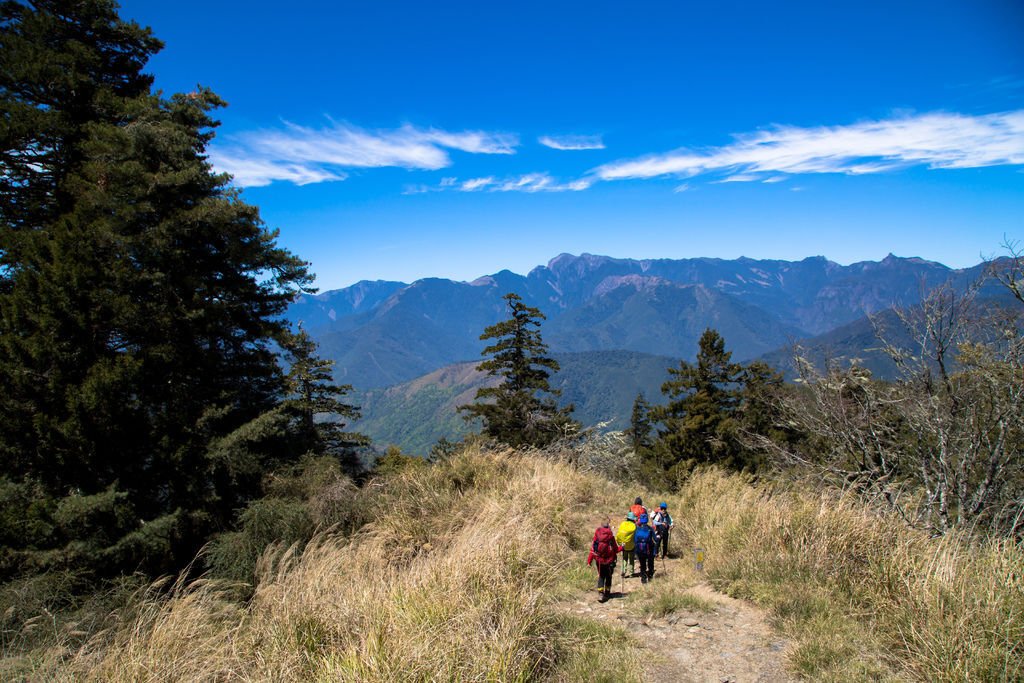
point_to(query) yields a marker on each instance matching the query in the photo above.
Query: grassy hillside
(601, 384)
(461, 570)
(416, 414)
(454, 578)
(862, 596)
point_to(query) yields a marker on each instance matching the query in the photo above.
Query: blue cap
(643, 519)
(664, 506)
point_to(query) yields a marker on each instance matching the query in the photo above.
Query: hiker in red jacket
(604, 549)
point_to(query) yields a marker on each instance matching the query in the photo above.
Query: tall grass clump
(862, 594)
(45, 616)
(316, 494)
(452, 579)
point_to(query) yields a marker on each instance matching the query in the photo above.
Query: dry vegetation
(452, 581)
(863, 596)
(459, 574)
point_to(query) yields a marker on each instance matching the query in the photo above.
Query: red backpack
(604, 548)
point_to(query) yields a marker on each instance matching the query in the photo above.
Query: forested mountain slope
(385, 333)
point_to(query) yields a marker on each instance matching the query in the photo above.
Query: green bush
(313, 495)
(234, 555)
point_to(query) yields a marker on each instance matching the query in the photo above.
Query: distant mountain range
(385, 334)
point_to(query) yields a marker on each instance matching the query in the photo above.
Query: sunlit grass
(456, 579)
(862, 595)
(671, 600)
(466, 568)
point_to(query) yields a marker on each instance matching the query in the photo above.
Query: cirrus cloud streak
(571, 142)
(303, 155)
(529, 182)
(937, 140)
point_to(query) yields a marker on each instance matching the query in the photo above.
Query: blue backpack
(643, 540)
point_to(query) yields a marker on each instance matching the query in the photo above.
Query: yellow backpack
(624, 535)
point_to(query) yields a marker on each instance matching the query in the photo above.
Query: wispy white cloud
(303, 155)
(685, 187)
(572, 142)
(476, 142)
(530, 182)
(253, 171)
(476, 184)
(739, 178)
(938, 140)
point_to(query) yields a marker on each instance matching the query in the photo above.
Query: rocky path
(705, 637)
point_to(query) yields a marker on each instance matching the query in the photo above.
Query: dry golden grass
(451, 582)
(864, 596)
(457, 576)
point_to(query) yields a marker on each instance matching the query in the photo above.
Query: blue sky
(398, 140)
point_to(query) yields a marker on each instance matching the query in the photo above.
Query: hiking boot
(643, 579)
(603, 598)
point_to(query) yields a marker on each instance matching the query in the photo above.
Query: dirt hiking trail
(718, 640)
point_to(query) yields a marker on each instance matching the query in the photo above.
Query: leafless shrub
(949, 430)
(609, 454)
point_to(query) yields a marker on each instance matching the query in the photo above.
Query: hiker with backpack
(645, 547)
(638, 508)
(663, 523)
(624, 537)
(604, 549)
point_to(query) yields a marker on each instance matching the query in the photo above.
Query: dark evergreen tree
(699, 421)
(517, 411)
(315, 402)
(442, 450)
(640, 425)
(140, 299)
(762, 418)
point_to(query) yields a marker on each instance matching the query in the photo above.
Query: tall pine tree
(640, 425)
(140, 299)
(315, 404)
(521, 410)
(699, 420)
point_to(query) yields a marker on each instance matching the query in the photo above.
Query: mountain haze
(385, 333)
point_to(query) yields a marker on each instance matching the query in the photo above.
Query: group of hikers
(639, 537)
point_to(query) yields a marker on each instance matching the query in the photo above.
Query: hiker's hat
(643, 519)
(630, 516)
(664, 506)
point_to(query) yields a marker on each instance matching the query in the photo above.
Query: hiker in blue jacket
(645, 547)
